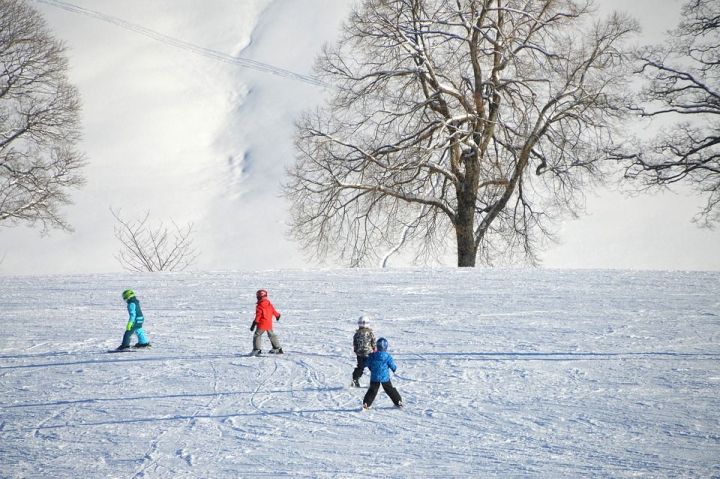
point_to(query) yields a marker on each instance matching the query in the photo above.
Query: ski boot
(256, 352)
(121, 347)
(355, 383)
(142, 345)
(276, 351)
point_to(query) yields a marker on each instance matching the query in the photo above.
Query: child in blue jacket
(380, 363)
(135, 322)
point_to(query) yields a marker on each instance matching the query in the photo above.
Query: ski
(364, 408)
(130, 349)
(262, 354)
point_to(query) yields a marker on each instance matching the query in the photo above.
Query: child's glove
(252, 326)
(278, 318)
(129, 326)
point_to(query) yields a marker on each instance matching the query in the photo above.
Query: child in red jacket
(264, 313)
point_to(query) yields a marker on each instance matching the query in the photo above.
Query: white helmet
(363, 321)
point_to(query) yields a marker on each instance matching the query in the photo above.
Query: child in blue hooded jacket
(380, 363)
(135, 322)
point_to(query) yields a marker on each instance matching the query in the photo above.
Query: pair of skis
(260, 353)
(129, 350)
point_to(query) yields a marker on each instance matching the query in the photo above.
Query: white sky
(203, 141)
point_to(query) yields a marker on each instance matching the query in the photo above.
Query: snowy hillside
(170, 129)
(505, 373)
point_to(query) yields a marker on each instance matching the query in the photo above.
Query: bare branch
(683, 86)
(148, 248)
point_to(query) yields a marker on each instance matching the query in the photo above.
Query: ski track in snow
(504, 373)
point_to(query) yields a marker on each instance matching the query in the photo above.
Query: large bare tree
(39, 121)
(471, 120)
(683, 88)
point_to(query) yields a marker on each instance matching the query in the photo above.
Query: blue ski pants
(137, 330)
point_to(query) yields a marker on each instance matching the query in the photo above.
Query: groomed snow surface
(504, 373)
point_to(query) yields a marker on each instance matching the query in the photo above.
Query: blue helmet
(382, 344)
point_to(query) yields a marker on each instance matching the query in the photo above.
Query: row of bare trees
(483, 121)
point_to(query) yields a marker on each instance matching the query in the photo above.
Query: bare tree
(466, 119)
(39, 121)
(684, 87)
(153, 248)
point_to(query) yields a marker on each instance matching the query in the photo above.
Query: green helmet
(127, 294)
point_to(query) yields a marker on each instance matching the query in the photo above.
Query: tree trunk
(466, 250)
(465, 229)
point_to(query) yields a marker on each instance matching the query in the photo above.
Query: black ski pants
(358, 371)
(389, 390)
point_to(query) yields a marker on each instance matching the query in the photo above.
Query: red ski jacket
(264, 312)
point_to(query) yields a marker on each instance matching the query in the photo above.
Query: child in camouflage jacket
(363, 345)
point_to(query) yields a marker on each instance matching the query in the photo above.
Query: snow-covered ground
(505, 373)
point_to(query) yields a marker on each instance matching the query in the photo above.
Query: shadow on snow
(471, 356)
(555, 356)
(190, 418)
(166, 396)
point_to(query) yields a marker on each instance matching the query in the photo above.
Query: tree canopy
(683, 87)
(39, 121)
(468, 123)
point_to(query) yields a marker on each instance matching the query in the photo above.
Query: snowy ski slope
(505, 373)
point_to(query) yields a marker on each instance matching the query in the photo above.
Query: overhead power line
(177, 43)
